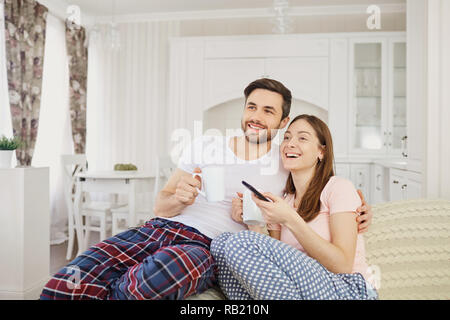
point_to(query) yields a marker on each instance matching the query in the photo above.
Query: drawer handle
(378, 182)
(395, 182)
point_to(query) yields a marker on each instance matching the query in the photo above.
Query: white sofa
(409, 242)
(407, 249)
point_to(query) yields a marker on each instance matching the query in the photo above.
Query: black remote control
(256, 192)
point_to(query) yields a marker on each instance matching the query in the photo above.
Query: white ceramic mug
(251, 213)
(213, 183)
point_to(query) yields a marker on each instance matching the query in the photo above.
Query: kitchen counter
(392, 163)
(395, 163)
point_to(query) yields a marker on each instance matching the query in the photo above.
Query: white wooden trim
(438, 116)
(258, 48)
(364, 36)
(249, 13)
(32, 293)
(433, 137)
(445, 99)
(58, 9)
(416, 75)
(391, 95)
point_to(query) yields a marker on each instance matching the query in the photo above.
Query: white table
(113, 182)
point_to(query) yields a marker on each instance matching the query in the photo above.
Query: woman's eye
(303, 138)
(286, 138)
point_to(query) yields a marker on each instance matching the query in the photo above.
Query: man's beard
(266, 136)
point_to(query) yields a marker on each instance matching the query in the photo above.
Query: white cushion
(409, 244)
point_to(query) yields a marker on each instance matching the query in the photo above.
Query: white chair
(164, 169)
(90, 210)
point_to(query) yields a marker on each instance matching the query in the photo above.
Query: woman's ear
(321, 153)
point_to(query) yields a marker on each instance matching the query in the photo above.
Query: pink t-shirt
(339, 195)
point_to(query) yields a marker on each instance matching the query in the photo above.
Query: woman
(314, 251)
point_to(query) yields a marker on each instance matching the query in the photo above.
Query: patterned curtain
(78, 67)
(25, 27)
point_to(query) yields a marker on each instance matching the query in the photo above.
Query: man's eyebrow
(268, 107)
(271, 108)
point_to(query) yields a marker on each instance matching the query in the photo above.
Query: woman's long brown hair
(310, 204)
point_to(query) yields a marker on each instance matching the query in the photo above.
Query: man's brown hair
(275, 86)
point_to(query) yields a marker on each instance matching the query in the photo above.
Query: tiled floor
(58, 257)
(58, 254)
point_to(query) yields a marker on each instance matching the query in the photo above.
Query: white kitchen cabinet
(397, 182)
(360, 176)
(379, 184)
(343, 170)
(367, 89)
(404, 185)
(413, 185)
(397, 118)
(377, 95)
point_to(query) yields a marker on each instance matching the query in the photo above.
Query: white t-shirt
(213, 218)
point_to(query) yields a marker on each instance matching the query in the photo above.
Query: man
(169, 257)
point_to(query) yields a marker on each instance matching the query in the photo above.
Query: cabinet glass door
(399, 96)
(367, 96)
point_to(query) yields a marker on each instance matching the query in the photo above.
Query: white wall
(437, 158)
(428, 93)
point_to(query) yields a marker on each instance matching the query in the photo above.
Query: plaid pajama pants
(161, 260)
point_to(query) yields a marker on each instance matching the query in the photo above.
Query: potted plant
(7, 147)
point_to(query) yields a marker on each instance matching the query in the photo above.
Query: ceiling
(129, 7)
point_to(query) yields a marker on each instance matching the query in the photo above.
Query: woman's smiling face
(300, 148)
